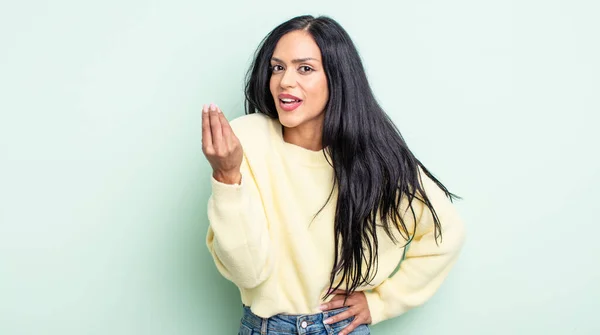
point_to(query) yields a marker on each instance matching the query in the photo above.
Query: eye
(276, 68)
(305, 69)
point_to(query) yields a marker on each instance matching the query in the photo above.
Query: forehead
(296, 44)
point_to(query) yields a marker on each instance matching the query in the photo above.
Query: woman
(316, 198)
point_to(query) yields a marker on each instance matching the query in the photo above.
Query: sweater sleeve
(426, 263)
(238, 236)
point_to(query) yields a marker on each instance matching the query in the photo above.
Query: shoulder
(251, 124)
(255, 130)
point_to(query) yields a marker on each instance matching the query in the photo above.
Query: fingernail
(323, 307)
(327, 321)
(218, 109)
(205, 108)
(212, 106)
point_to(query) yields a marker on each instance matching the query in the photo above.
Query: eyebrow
(294, 61)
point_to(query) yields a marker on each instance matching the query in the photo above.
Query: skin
(297, 70)
(220, 146)
(357, 308)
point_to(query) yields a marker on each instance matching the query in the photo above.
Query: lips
(288, 102)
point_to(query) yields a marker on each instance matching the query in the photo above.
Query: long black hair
(374, 169)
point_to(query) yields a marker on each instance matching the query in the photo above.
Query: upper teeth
(288, 100)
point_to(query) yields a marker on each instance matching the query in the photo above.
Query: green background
(103, 185)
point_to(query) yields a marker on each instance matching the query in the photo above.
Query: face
(298, 82)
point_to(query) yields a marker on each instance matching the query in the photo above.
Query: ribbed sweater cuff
(227, 195)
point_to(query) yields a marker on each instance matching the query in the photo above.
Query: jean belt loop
(263, 326)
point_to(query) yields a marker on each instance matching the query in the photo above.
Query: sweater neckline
(301, 155)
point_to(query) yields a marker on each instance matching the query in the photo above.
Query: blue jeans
(310, 324)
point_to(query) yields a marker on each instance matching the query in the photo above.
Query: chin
(288, 120)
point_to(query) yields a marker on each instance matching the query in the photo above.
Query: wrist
(228, 177)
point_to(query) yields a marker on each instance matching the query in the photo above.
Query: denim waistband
(291, 324)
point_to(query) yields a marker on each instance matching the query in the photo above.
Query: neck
(306, 136)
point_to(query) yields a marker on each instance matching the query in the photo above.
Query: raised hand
(220, 146)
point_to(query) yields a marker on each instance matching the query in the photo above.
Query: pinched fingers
(218, 138)
(220, 145)
(215, 126)
(206, 131)
(228, 134)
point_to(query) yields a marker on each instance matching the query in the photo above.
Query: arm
(427, 264)
(238, 237)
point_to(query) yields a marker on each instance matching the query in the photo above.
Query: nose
(288, 79)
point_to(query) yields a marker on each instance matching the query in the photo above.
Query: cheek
(323, 91)
(317, 89)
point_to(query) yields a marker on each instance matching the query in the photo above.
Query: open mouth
(289, 104)
(290, 101)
